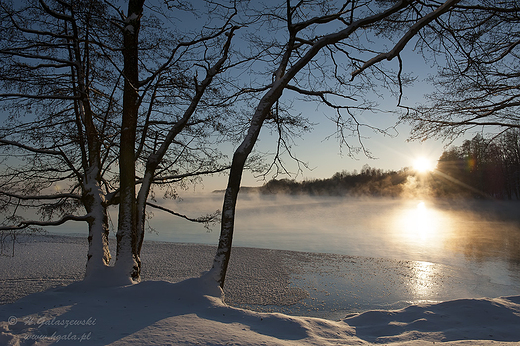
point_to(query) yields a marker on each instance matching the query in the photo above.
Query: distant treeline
(369, 182)
(481, 167)
(478, 168)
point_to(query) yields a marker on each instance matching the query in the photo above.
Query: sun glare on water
(419, 225)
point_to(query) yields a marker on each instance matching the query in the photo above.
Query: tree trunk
(142, 197)
(221, 260)
(127, 260)
(227, 225)
(282, 76)
(154, 159)
(98, 257)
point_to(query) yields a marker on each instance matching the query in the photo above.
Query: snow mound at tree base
(192, 312)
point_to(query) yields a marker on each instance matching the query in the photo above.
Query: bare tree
(132, 208)
(320, 43)
(478, 81)
(99, 105)
(54, 127)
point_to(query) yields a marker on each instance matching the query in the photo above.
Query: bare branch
(34, 223)
(38, 97)
(31, 149)
(55, 14)
(414, 29)
(320, 94)
(203, 219)
(41, 197)
(180, 177)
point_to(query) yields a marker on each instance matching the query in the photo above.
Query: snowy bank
(171, 308)
(191, 312)
(295, 283)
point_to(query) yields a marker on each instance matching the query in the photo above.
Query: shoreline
(295, 283)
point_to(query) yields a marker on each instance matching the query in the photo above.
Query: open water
(368, 253)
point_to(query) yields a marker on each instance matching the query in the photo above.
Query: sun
(423, 165)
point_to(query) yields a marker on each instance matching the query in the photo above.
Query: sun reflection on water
(419, 225)
(424, 277)
(425, 231)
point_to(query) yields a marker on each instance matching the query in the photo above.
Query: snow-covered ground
(190, 311)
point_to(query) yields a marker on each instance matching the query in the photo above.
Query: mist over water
(379, 252)
(383, 252)
(448, 232)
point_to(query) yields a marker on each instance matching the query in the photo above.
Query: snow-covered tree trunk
(142, 197)
(98, 257)
(227, 226)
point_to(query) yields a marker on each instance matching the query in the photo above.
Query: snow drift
(192, 312)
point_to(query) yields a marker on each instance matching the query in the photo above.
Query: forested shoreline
(479, 168)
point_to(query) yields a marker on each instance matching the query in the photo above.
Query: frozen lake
(384, 252)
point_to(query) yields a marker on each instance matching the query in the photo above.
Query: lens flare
(423, 165)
